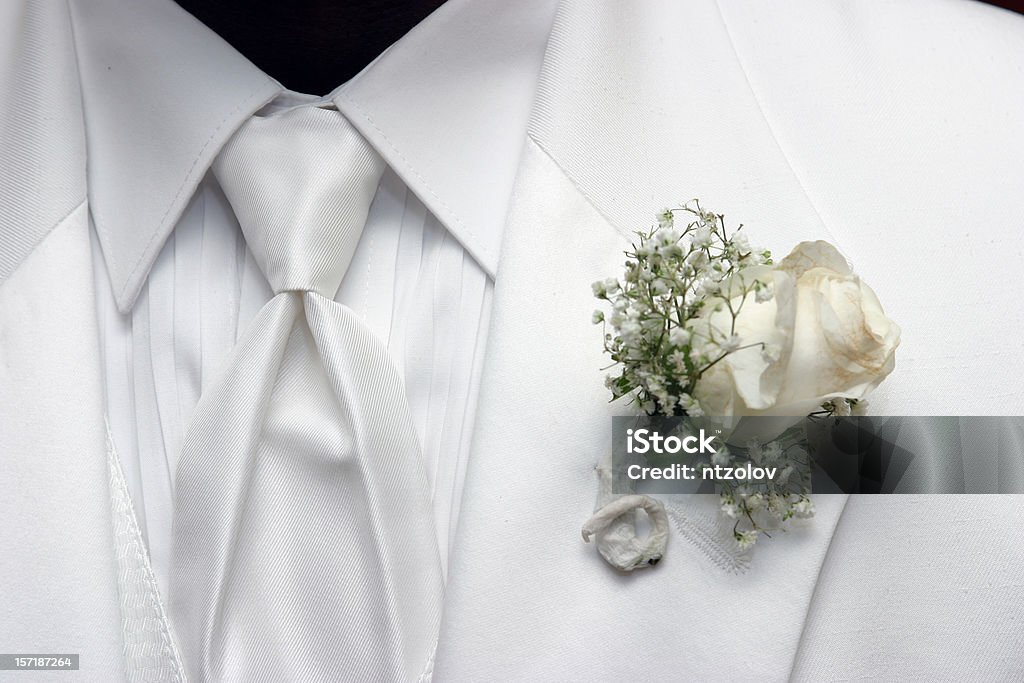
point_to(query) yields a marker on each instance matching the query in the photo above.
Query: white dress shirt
(180, 296)
(411, 281)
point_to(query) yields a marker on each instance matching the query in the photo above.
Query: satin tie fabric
(304, 546)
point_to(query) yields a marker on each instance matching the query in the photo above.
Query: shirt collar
(448, 108)
(162, 94)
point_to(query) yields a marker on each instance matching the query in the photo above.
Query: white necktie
(304, 546)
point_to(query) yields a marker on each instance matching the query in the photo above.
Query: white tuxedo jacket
(542, 134)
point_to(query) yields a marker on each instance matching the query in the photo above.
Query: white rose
(827, 333)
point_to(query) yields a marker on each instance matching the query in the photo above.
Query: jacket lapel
(58, 567)
(42, 141)
(634, 111)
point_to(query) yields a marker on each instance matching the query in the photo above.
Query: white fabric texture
(40, 130)
(891, 129)
(300, 473)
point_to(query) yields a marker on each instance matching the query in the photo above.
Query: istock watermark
(818, 454)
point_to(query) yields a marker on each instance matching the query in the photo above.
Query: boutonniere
(702, 323)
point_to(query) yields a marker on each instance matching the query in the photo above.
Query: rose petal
(816, 254)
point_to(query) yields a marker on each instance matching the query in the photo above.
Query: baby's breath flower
(731, 344)
(803, 508)
(763, 293)
(679, 337)
(698, 260)
(667, 236)
(701, 238)
(678, 360)
(691, 405)
(746, 539)
(754, 502)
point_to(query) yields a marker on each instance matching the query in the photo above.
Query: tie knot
(300, 184)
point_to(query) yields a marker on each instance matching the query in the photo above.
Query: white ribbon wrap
(613, 526)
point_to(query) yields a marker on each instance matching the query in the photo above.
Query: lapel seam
(771, 129)
(26, 253)
(583, 193)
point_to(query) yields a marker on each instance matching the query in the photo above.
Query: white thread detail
(149, 651)
(720, 547)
